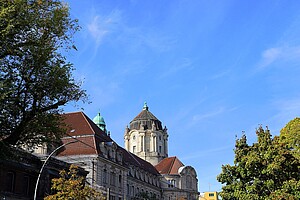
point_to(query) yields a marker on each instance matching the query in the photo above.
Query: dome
(99, 121)
(146, 120)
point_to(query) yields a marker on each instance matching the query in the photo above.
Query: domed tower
(146, 138)
(99, 121)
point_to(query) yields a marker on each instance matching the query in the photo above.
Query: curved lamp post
(41, 170)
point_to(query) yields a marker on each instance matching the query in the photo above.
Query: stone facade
(146, 138)
(141, 169)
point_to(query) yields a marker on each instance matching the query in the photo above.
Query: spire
(145, 106)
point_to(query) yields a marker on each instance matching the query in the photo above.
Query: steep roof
(78, 124)
(131, 159)
(146, 119)
(88, 135)
(145, 114)
(169, 165)
(88, 139)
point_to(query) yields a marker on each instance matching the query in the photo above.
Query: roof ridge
(85, 118)
(72, 112)
(172, 164)
(132, 155)
(148, 114)
(94, 133)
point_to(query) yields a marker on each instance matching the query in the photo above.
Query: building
(209, 196)
(146, 138)
(19, 172)
(141, 169)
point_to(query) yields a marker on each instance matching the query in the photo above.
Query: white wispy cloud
(180, 65)
(279, 54)
(220, 74)
(101, 26)
(138, 37)
(212, 113)
(284, 111)
(287, 109)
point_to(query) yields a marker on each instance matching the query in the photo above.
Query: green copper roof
(99, 120)
(145, 106)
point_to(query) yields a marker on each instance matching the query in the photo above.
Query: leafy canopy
(265, 170)
(290, 136)
(35, 76)
(72, 186)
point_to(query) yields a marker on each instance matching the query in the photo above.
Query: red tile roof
(169, 165)
(89, 136)
(82, 146)
(79, 124)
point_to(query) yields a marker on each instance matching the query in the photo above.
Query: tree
(72, 186)
(290, 135)
(265, 170)
(35, 76)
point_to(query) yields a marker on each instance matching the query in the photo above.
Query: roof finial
(145, 106)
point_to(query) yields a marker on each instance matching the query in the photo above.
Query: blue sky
(207, 69)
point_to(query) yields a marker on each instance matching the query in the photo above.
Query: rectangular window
(10, 182)
(26, 185)
(104, 176)
(159, 149)
(120, 182)
(132, 190)
(133, 149)
(211, 194)
(112, 178)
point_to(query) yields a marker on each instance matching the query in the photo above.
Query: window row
(17, 183)
(137, 192)
(148, 178)
(111, 178)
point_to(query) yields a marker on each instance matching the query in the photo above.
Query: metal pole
(41, 170)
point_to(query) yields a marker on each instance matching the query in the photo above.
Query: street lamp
(41, 170)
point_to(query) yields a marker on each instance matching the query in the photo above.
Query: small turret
(99, 121)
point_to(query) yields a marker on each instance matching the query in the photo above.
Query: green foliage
(35, 77)
(264, 170)
(290, 136)
(71, 186)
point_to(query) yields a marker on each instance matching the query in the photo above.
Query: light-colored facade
(141, 169)
(146, 138)
(209, 196)
(114, 171)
